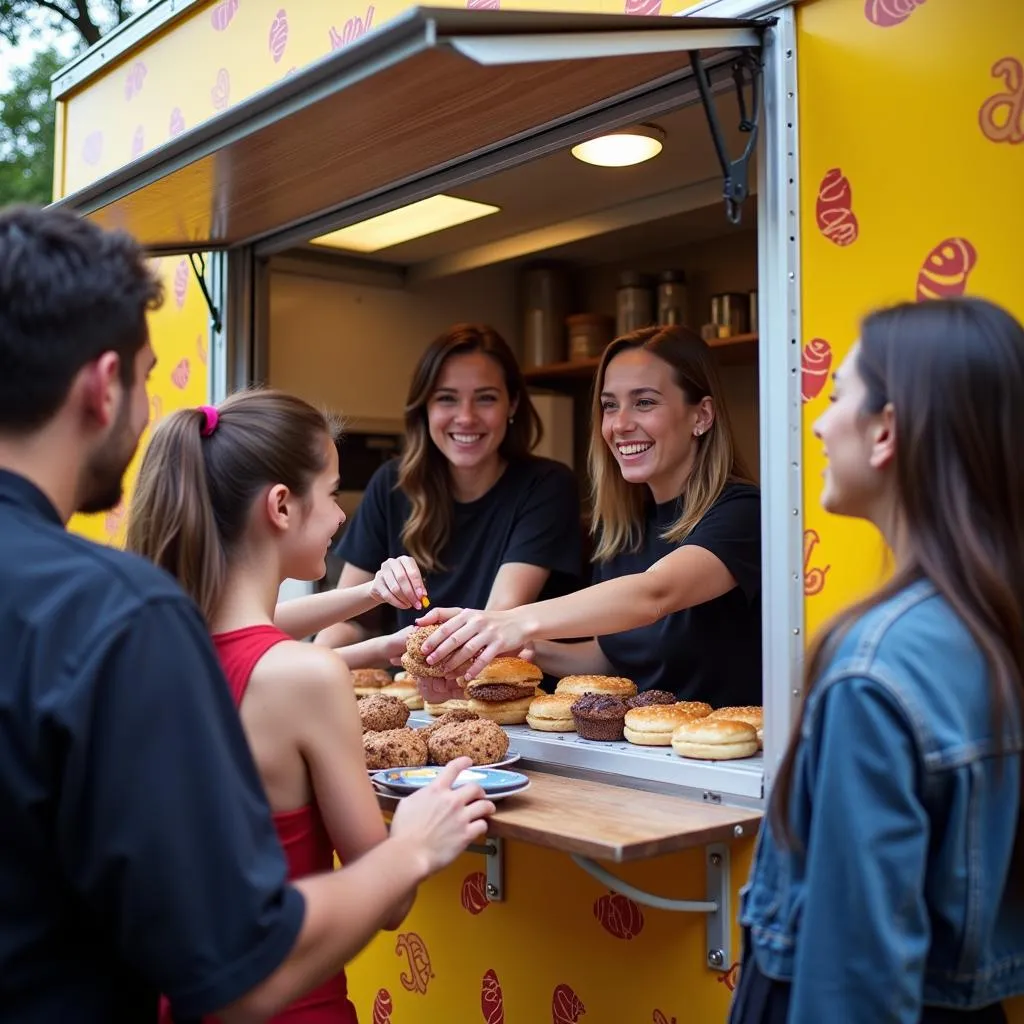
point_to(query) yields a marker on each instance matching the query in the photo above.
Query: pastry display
(714, 739)
(446, 706)
(752, 715)
(406, 690)
(381, 713)
(482, 740)
(413, 661)
(368, 681)
(552, 713)
(394, 748)
(448, 718)
(504, 690)
(697, 708)
(614, 686)
(654, 725)
(599, 716)
(649, 697)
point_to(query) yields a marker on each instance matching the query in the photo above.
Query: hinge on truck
(746, 73)
(198, 262)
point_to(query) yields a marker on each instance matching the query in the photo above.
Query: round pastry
(714, 739)
(368, 681)
(649, 697)
(394, 748)
(505, 712)
(485, 742)
(551, 713)
(452, 704)
(412, 660)
(448, 718)
(407, 692)
(599, 716)
(614, 686)
(751, 715)
(381, 713)
(697, 708)
(654, 725)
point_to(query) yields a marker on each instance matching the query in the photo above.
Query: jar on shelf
(589, 334)
(546, 297)
(672, 307)
(634, 302)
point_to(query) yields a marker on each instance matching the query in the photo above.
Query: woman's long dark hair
(423, 473)
(953, 371)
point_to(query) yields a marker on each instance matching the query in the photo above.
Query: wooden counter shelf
(611, 823)
(737, 349)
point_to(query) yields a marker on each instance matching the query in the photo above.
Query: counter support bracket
(493, 851)
(716, 906)
(198, 263)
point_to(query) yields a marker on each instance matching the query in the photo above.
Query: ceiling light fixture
(623, 148)
(406, 223)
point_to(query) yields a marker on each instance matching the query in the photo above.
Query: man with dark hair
(138, 854)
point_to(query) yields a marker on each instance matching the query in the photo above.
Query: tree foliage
(26, 132)
(88, 19)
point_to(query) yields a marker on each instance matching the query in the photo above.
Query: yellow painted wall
(912, 166)
(558, 949)
(234, 48)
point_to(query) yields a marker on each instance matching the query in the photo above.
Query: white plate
(510, 758)
(495, 797)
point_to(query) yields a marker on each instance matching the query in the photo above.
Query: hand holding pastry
(392, 646)
(467, 641)
(399, 583)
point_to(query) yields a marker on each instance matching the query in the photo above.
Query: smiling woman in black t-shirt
(467, 515)
(676, 603)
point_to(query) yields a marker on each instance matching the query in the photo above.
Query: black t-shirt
(711, 652)
(531, 515)
(138, 855)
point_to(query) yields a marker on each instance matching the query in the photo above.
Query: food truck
(811, 160)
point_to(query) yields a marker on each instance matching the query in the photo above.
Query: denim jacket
(906, 814)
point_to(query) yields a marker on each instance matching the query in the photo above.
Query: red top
(303, 836)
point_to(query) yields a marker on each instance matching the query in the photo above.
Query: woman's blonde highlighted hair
(618, 519)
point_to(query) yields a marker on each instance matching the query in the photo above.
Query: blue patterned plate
(408, 780)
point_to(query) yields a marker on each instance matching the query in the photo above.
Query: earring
(697, 432)
(511, 420)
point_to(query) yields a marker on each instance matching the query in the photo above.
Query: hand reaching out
(399, 583)
(469, 640)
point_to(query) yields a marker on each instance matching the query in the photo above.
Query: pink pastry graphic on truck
(278, 39)
(222, 14)
(220, 94)
(474, 893)
(134, 79)
(815, 363)
(177, 125)
(642, 7)
(834, 209)
(619, 915)
(138, 140)
(887, 13)
(566, 1006)
(382, 1007)
(180, 374)
(355, 28)
(180, 282)
(483, 5)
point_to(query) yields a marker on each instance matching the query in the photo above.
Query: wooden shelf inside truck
(737, 349)
(611, 823)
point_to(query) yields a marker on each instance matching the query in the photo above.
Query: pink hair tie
(210, 420)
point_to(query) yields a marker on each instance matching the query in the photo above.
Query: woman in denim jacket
(888, 881)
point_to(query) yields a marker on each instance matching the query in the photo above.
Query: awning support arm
(736, 173)
(198, 261)
(716, 906)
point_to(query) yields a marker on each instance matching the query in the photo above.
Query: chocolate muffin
(599, 716)
(649, 697)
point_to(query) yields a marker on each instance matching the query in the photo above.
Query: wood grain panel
(611, 823)
(430, 109)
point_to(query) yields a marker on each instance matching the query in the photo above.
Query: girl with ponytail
(232, 501)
